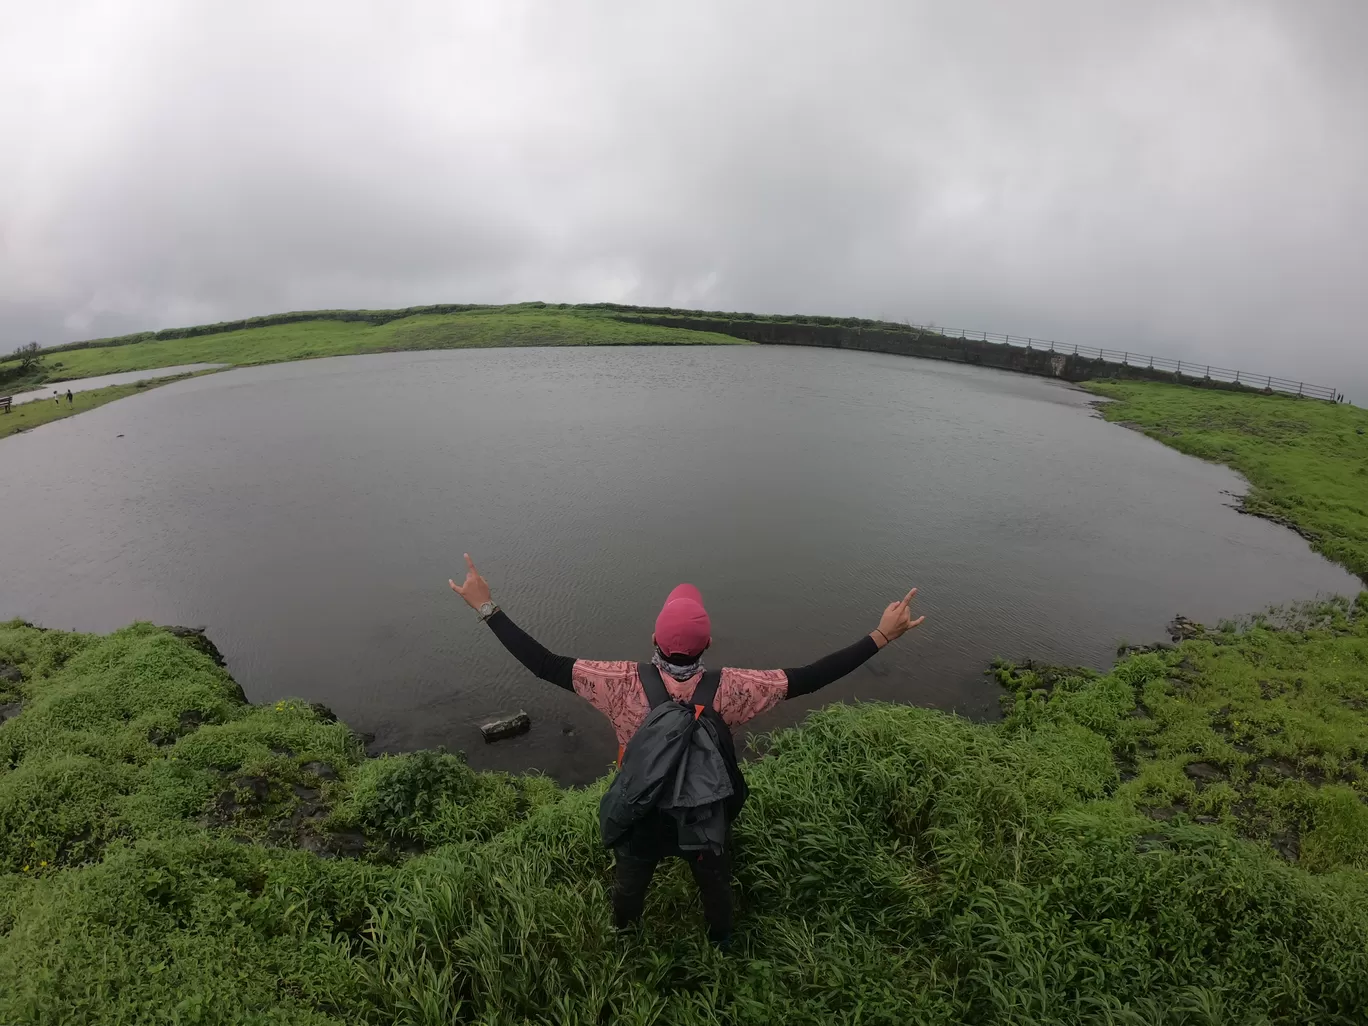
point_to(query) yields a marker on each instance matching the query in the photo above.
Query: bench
(5, 402)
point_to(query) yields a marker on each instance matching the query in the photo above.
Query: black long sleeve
(803, 680)
(558, 669)
(552, 668)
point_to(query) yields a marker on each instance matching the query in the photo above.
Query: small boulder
(9, 673)
(1276, 767)
(343, 843)
(347, 842)
(1180, 628)
(9, 712)
(321, 770)
(223, 809)
(1203, 773)
(512, 726)
(258, 788)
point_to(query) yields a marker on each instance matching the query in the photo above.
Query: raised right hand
(897, 618)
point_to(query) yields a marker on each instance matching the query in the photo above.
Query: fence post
(1075, 349)
(1269, 386)
(1151, 367)
(1300, 386)
(1180, 368)
(1237, 377)
(1208, 373)
(1125, 359)
(1028, 343)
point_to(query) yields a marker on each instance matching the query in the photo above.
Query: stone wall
(930, 346)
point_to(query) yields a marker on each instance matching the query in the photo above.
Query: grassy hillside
(1085, 860)
(527, 325)
(1306, 461)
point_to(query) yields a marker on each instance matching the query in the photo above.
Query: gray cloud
(1177, 177)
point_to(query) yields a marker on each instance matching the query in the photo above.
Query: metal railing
(1185, 368)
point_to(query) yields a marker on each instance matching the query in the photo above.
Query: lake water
(309, 515)
(105, 380)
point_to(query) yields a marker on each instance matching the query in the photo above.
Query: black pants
(636, 863)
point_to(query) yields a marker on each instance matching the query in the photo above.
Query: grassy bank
(31, 414)
(1116, 850)
(525, 325)
(1306, 461)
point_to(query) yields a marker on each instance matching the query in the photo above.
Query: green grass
(30, 415)
(1260, 726)
(496, 326)
(895, 865)
(1306, 461)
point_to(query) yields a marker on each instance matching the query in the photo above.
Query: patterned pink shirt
(614, 689)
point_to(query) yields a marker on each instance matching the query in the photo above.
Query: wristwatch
(487, 610)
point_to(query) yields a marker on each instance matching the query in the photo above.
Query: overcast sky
(1185, 178)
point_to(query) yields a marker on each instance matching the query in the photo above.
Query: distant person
(683, 633)
(69, 399)
(56, 398)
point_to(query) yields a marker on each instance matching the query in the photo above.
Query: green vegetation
(162, 841)
(1259, 726)
(1306, 461)
(598, 311)
(269, 342)
(41, 411)
(24, 364)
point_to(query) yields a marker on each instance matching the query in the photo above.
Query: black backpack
(681, 762)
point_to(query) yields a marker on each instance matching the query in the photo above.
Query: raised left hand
(475, 590)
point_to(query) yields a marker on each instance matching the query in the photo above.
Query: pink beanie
(683, 628)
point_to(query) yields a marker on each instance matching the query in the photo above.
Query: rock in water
(497, 730)
(1180, 628)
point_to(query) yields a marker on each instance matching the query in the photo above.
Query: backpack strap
(706, 692)
(653, 685)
